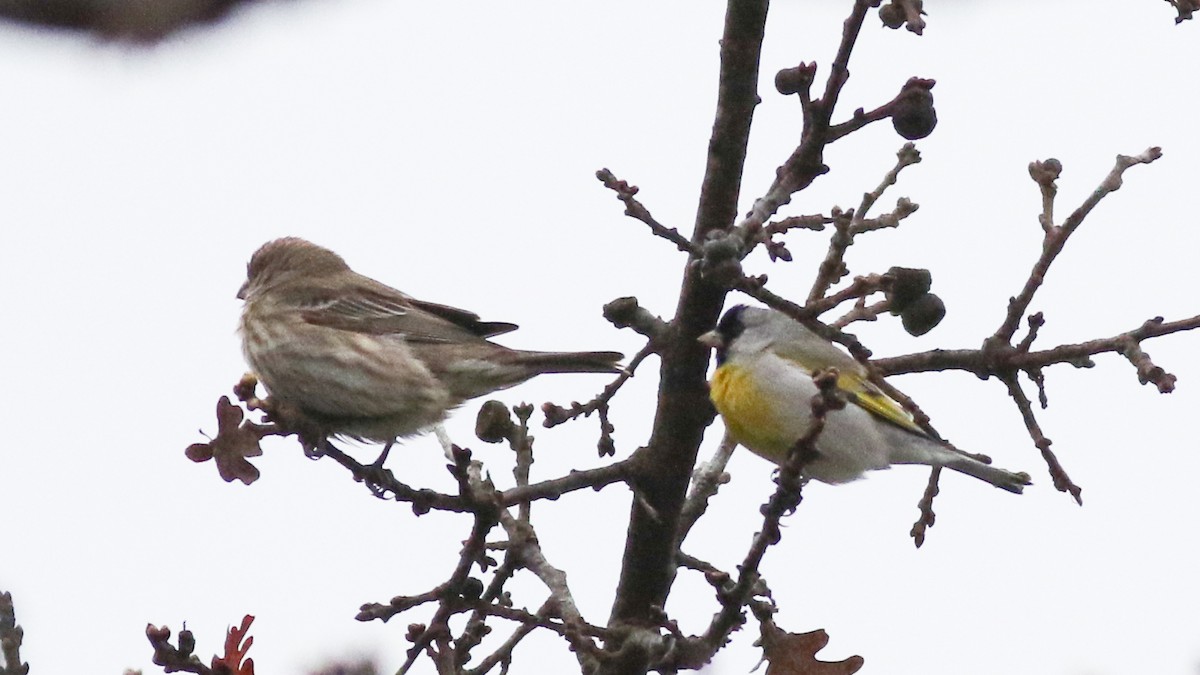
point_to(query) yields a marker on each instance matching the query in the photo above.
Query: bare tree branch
(1184, 9)
(142, 21)
(635, 209)
(647, 568)
(1056, 236)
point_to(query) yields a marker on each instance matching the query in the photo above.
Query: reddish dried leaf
(234, 660)
(234, 442)
(796, 653)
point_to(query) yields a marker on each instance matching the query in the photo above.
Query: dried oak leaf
(796, 653)
(233, 444)
(232, 662)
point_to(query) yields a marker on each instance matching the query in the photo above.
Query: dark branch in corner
(1184, 9)
(137, 22)
(11, 637)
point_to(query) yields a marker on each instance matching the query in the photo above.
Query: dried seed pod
(892, 15)
(908, 284)
(494, 423)
(790, 81)
(923, 315)
(913, 115)
(472, 589)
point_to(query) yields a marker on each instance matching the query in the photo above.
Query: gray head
(746, 330)
(286, 259)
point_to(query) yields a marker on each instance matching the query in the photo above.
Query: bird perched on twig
(763, 388)
(364, 360)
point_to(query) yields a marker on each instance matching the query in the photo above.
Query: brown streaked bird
(366, 361)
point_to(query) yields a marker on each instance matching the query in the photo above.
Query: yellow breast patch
(750, 415)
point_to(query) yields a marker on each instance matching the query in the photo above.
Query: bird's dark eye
(731, 326)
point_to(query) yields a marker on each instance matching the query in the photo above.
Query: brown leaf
(796, 653)
(235, 651)
(234, 442)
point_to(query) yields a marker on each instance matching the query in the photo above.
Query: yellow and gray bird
(366, 361)
(763, 388)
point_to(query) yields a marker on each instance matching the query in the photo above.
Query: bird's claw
(378, 479)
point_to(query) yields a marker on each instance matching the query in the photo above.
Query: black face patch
(729, 328)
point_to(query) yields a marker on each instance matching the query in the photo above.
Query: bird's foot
(378, 479)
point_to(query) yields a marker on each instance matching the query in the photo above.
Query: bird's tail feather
(572, 362)
(910, 448)
(1001, 478)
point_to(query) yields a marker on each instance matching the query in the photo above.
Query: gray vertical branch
(683, 410)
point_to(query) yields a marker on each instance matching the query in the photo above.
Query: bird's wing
(468, 320)
(864, 394)
(386, 311)
(861, 392)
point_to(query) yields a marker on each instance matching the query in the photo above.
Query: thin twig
(561, 599)
(473, 632)
(984, 365)
(706, 480)
(437, 633)
(862, 312)
(927, 517)
(1056, 236)
(805, 162)
(556, 414)
(635, 209)
(576, 480)
(848, 224)
(522, 444)
(1062, 482)
(502, 656)
(423, 500)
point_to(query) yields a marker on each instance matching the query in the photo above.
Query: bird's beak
(242, 291)
(712, 339)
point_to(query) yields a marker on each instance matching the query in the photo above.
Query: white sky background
(449, 150)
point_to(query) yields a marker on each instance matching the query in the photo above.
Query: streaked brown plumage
(364, 360)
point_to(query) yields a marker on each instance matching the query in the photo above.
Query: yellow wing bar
(867, 396)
